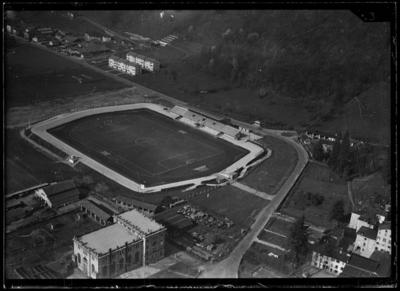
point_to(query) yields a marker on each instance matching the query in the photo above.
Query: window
(128, 259)
(121, 263)
(104, 270)
(79, 258)
(93, 270)
(384, 240)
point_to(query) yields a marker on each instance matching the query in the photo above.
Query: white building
(365, 241)
(384, 238)
(123, 66)
(357, 221)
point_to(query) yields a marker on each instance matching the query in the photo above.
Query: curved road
(229, 267)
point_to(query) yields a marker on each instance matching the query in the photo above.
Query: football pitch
(147, 147)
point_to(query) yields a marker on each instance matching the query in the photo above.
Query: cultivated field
(35, 75)
(269, 176)
(148, 147)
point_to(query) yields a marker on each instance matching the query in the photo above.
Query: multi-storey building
(134, 240)
(123, 66)
(365, 241)
(146, 63)
(384, 238)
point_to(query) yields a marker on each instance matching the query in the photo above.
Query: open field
(232, 202)
(313, 196)
(36, 244)
(269, 176)
(25, 166)
(148, 147)
(35, 75)
(279, 226)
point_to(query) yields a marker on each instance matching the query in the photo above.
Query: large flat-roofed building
(134, 240)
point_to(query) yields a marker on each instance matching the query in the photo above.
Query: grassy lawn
(269, 176)
(302, 198)
(21, 249)
(232, 202)
(35, 75)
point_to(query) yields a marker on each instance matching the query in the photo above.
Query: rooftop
(385, 225)
(363, 263)
(99, 211)
(144, 223)
(57, 188)
(110, 237)
(367, 232)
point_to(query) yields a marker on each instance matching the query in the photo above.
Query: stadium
(148, 147)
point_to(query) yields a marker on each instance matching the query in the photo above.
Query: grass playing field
(148, 147)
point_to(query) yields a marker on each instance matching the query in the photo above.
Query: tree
(298, 242)
(318, 151)
(338, 212)
(333, 159)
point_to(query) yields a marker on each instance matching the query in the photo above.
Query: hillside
(311, 62)
(291, 69)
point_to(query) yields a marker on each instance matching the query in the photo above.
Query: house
(359, 266)
(133, 241)
(384, 237)
(98, 213)
(124, 66)
(365, 241)
(58, 194)
(326, 256)
(358, 220)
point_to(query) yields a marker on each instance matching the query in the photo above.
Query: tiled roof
(385, 225)
(363, 263)
(62, 192)
(367, 232)
(57, 188)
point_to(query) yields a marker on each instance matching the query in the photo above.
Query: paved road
(253, 191)
(229, 267)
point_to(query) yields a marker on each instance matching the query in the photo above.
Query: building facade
(131, 242)
(365, 241)
(146, 63)
(333, 264)
(123, 66)
(384, 238)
